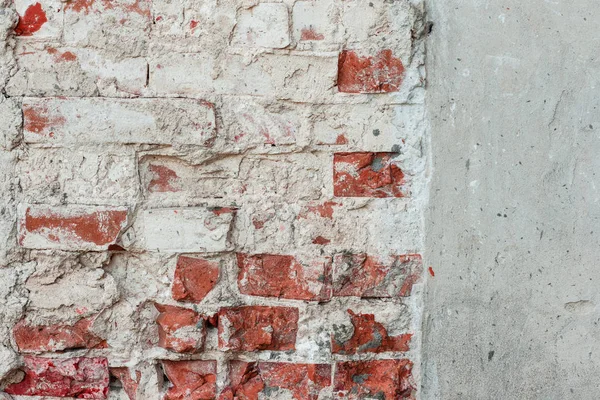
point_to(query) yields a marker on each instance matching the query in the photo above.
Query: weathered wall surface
(211, 199)
(512, 312)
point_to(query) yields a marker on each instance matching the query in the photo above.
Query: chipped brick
(274, 380)
(81, 378)
(381, 379)
(369, 336)
(381, 73)
(368, 276)
(194, 278)
(71, 227)
(250, 328)
(191, 380)
(180, 329)
(367, 175)
(130, 384)
(283, 276)
(56, 337)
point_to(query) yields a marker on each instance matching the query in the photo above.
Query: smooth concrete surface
(513, 228)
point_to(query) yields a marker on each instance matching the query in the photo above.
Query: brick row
(197, 379)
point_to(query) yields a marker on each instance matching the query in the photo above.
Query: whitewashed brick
(313, 21)
(61, 121)
(295, 77)
(69, 71)
(263, 25)
(58, 176)
(184, 230)
(123, 27)
(173, 181)
(266, 126)
(294, 176)
(368, 127)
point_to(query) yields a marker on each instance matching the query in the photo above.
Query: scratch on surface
(556, 108)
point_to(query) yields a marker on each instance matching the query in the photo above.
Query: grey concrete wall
(513, 228)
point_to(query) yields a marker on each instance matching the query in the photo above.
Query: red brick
(281, 276)
(320, 240)
(380, 379)
(57, 337)
(130, 385)
(369, 336)
(324, 210)
(31, 21)
(70, 228)
(65, 121)
(194, 278)
(164, 179)
(310, 34)
(250, 328)
(180, 329)
(191, 380)
(254, 380)
(367, 175)
(381, 73)
(81, 378)
(367, 276)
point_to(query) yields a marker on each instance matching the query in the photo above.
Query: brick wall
(211, 200)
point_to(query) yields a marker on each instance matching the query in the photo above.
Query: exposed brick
(368, 276)
(180, 329)
(56, 337)
(89, 120)
(324, 210)
(81, 378)
(263, 25)
(45, 70)
(194, 278)
(367, 175)
(185, 230)
(130, 384)
(71, 227)
(381, 73)
(283, 276)
(126, 193)
(38, 19)
(380, 379)
(250, 328)
(369, 336)
(31, 21)
(274, 380)
(163, 179)
(191, 380)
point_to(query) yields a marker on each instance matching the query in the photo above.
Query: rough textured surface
(81, 378)
(251, 380)
(212, 199)
(512, 235)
